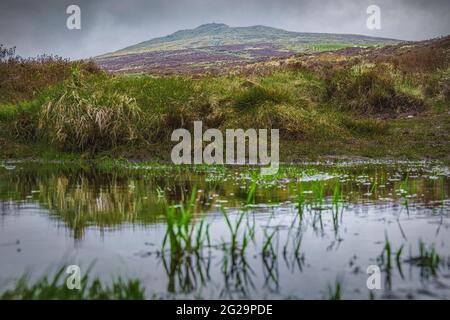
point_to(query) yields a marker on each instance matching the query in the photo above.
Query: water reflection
(91, 197)
(307, 223)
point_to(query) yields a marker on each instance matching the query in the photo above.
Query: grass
(369, 90)
(247, 233)
(187, 235)
(328, 46)
(352, 108)
(387, 256)
(364, 126)
(234, 231)
(26, 79)
(335, 292)
(318, 192)
(100, 121)
(258, 95)
(181, 229)
(55, 287)
(428, 260)
(268, 248)
(336, 201)
(300, 201)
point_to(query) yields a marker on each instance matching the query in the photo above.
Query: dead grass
(95, 122)
(367, 89)
(23, 79)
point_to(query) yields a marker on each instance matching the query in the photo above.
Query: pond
(310, 232)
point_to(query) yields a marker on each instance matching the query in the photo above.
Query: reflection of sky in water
(33, 239)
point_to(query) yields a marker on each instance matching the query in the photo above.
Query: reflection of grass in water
(84, 204)
(268, 248)
(428, 260)
(184, 265)
(187, 267)
(181, 228)
(186, 272)
(335, 292)
(237, 274)
(249, 230)
(81, 197)
(187, 237)
(234, 232)
(300, 201)
(338, 197)
(236, 271)
(385, 260)
(171, 179)
(47, 288)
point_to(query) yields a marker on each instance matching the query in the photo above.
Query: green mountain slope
(217, 34)
(216, 44)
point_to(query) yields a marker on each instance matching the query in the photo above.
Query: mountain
(217, 45)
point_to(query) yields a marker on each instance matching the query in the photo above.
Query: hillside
(210, 47)
(371, 102)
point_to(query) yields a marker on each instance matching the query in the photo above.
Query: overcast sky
(39, 26)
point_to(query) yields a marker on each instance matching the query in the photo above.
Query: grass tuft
(55, 288)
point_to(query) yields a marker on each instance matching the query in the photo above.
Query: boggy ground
(162, 231)
(381, 102)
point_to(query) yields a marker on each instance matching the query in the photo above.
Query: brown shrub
(23, 79)
(368, 90)
(96, 122)
(420, 59)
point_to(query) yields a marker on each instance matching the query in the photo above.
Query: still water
(313, 227)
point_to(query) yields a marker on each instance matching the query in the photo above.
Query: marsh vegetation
(374, 102)
(96, 190)
(217, 232)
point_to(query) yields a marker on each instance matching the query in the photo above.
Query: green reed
(50, 288)
(335, 292)
(181, 228)
(428, 259)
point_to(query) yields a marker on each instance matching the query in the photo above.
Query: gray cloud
(37, 27)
